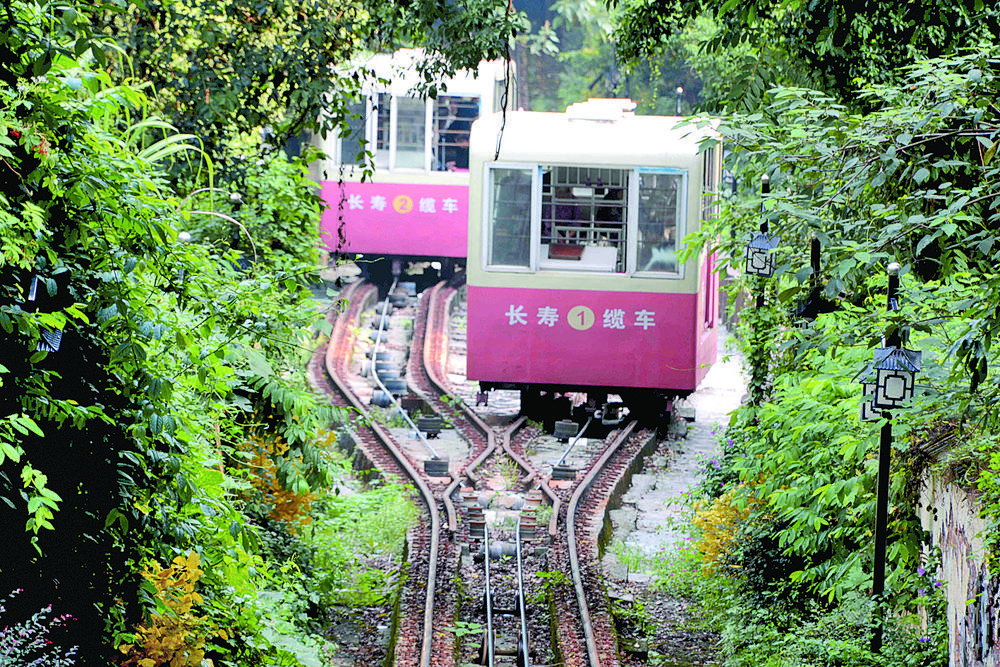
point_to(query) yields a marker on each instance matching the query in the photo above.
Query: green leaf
(42, 64)
(105, 314)
(8, 451)
(258, 363)
(165, 148)
(990, 152)
(925, 241)
(98, 53)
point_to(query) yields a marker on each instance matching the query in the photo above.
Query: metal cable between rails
(395, 402)
(575, 440)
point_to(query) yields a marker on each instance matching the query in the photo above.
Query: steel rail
(522, 604)
(525, 465)
(490, 647)
(430, 368)
(430, 345)
(574, 558)
(426, 495)
(496, 440)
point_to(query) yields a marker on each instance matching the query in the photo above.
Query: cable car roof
(602, 131)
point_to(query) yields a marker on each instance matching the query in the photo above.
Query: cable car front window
(411, 132)
(583, 218)
(509, 217)
(453, 117)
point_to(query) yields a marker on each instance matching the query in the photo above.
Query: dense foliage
(878, 130)
(160, 447)
(913, 182)
(834, 45)
(223, 71)
(569, 55)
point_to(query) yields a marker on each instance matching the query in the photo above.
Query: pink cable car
(576, 279)
(415, 208)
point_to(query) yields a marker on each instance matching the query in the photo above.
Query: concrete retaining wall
(951, 515)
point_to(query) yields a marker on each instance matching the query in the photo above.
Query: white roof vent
(601, 109)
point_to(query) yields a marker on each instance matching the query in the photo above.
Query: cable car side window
(508, 217)
(661, 211)
(383, 109)
(709, 184)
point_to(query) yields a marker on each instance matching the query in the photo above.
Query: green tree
(137, 367)
(227, 71)
(913, 182)
(878, 132)
(838, 46)
(572, 57)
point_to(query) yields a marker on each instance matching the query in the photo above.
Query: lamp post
(680, 91)
(759, 261)
(889, 380)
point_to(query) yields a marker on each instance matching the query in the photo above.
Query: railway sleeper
(505, 611)
(562, 472)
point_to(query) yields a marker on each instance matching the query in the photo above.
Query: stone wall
(951, 515)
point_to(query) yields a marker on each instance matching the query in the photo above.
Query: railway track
(558, 566)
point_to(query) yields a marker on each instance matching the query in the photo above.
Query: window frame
(394, 135)
(632, 230)
(534, 223)
(631, 225)
(387, 158)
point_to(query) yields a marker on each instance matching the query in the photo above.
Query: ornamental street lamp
(868, 411)
(759, 261)
(889, 380)
(895, 369)
(759, 257)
